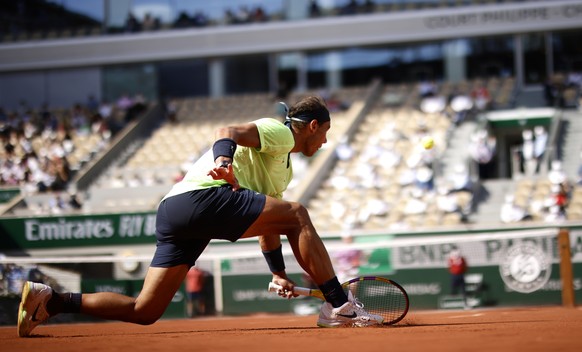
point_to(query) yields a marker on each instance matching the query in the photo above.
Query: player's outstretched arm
(246, 135)
(272, 251)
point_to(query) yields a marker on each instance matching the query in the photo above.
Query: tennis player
(233, 191)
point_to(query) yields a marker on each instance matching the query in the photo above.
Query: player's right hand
(225, 173)
(286, 284)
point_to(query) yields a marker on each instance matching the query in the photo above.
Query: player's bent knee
(146, 318)
(300, 216)
(301, 213)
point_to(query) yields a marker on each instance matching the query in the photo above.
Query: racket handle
(302, 291)
(273, 287)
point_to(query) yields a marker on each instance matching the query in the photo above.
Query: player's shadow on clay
(174, 332)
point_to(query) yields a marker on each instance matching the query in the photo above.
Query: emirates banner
(77, 231)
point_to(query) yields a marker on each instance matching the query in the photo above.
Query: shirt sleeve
(276, 138)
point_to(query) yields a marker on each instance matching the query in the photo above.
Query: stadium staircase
(490, 197)
(457, 152)
(571, 142)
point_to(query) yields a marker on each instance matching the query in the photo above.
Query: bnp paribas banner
(77, 231)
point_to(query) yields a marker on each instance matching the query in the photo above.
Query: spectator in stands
(48, 120)
(557, 202)
(333, 102)
(528, 162)
(100, 127)
(415, 204)
(369, 6)
(344, 150)
(74, 201)
(171, 110)
(557, 176)
(199, 19)
(60, 173)
(553, 90)
(195, 299)
(461, 179)
(150, 23)
(124, 102)
(136, 106)
(375, 207)
(351, 8)
(457, 265)
(425, 178)
(482, 150)
(229, 16)
(579, 181)
(540, 143)
(427, 88)
(368, 176)
(79, 119)
(132, 25)
(183, 20)
(258, 14)
(461, 105)
(511, 212)
(336, 104)
(574, 79)
(105, 109)
(340, 181)
(243, 15)
(481, 96)
(554, 214)
(446, 201)
(406, 177)
(550, 92)
(314, 10)
(92, 104)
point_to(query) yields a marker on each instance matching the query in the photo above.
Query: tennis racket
(379, 295)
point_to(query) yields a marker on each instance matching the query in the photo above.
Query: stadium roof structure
(320, 34)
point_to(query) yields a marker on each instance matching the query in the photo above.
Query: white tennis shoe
(351, 313)
(32, 310)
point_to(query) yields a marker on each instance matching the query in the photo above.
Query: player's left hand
(225, 173)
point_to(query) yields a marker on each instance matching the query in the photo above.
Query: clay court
(520, 329)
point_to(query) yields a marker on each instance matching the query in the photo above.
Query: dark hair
(307, 109)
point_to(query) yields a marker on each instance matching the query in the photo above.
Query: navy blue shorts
(186, 223)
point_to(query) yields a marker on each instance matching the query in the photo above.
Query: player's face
(317, 139)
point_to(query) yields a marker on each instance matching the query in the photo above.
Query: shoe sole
(349, 324)
(322, 325)
(22, 321)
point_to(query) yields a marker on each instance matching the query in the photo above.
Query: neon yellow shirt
(267, 169)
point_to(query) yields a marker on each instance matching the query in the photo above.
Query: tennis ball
(427, 142)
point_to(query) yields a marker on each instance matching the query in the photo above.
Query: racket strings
(381, 298)
(357, 303)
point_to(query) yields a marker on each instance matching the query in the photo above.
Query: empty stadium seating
(382, 178)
